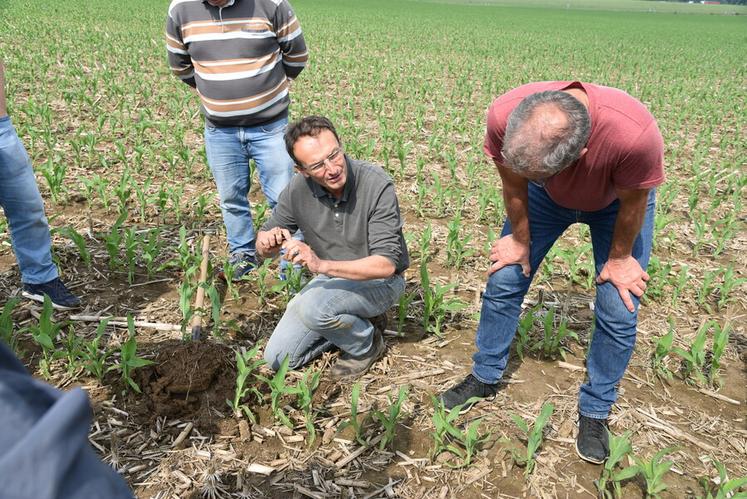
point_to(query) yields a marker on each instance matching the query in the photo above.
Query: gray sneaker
(348, 366)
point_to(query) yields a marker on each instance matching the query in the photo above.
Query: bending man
(570, 152)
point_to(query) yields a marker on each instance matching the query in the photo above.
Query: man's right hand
(509, 251)
(270, 241)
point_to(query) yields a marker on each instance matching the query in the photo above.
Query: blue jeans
(615, 327)
(24, 208)
(229, 150)
(331, 312)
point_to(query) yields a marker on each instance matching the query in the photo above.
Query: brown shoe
(348, 366)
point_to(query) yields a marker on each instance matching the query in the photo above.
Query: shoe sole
(588, 459)
(40, 299)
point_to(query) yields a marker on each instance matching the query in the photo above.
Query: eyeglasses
(333, 156)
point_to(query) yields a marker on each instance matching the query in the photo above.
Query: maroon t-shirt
(625, 149)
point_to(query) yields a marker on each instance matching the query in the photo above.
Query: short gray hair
(548, 150)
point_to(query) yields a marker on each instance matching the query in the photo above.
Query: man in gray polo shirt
(350, 218)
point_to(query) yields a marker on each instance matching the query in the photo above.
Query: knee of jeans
(506, 283)
(613, 316)
(275, 356)
(321, 319)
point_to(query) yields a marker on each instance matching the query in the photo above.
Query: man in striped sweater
(240, 56)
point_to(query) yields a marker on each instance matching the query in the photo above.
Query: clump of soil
(188, 380)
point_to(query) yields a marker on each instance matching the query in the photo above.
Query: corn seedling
(92, 354)
(435, 304)
(457, 247)
(8, 334)
(215, 305)
(261, 212)
(720, 340)
(261, 274)
(611, 476)
(123, 190)
(439, 195)
(79, 242)
(186, 291)
(659, 278)
(130, 246)
(128, 359)
(551, 345)
(725, 488)
(352, 421)
(425, 243)
(448, 437)
(533, 437)
(112, 241)
(246, 367)
(141, 194)
(201, 204)
(729, 284)
(388, 420)
(44, 334)
(522, 332)
(293, 283)
(680, 284)
(707, 288)
(279, 389)
(72, 346)
(661, 351)
(653, 470)
(694, 359)
(54, 171)
(304, 392)
(150, 250)
(405, 300)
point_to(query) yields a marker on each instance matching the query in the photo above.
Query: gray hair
(531, 146)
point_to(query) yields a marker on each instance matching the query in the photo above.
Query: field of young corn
(117, 146)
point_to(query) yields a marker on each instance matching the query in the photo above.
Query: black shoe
(592, 442)
(61, 298)
(468, 393)
(242, 264)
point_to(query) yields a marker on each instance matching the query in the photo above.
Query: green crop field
(116, 142)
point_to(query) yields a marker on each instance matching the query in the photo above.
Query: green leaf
(520, 423)
(626, 473)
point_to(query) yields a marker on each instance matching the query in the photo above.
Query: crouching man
(349, 214)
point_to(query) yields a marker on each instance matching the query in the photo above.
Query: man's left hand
(298, 252)
(627, 276)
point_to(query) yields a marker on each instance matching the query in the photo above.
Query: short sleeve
(643, 166)
(494, 132)
(385, 226)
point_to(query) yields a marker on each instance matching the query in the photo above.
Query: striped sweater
(239, 57)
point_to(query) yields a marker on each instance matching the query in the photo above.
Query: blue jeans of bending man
(614, 328)
(331, 312)
(229, 150)
(24, 209)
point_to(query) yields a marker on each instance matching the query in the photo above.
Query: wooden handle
(200, 299)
